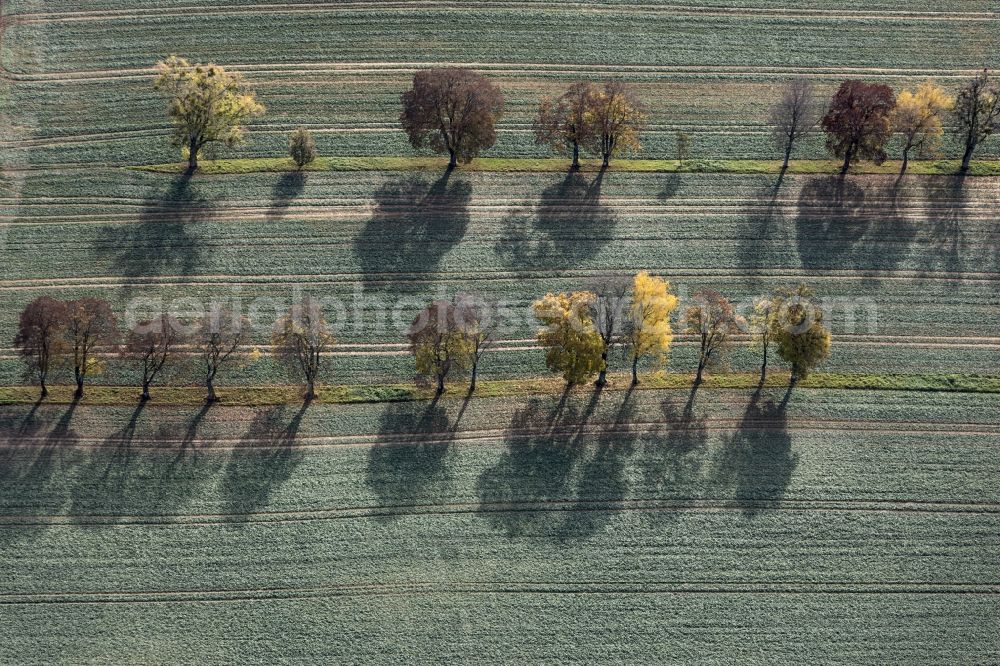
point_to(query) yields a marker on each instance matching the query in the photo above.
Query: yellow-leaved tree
(917, 118)
(798, 331)
(616, 117)
(206, 104)
(572, 343)
(649, 332)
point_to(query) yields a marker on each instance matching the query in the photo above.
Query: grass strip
(557, 165)
(333, 394)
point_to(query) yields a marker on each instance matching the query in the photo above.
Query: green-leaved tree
(206, 104)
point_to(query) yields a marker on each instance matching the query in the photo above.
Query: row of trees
(454, 111)
(82, 333)
(580, 329)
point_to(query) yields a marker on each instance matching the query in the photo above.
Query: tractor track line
(496, 588)
(575, 505)
(569, 505)
(495, 435)
(441, 277)
(496, 5)
(518, 70)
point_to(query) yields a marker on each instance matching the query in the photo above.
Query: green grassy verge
(555, 165)
(278, 395)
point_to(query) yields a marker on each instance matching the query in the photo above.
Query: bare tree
(150, 344)
(476, 318)
(453, 111)
(977, 112)
(760, 327)
(90, 324)
(713, 319)
(565, 123)
(608, 314)
(794, 116)
(39, 336)
(301, 338)
(218, 334)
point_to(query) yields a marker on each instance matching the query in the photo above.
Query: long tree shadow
(603, 482)
(163, 241)
(764, 239)
(264, 459)
(286, 189)
(568, 224)
(671, 186)
(409, 464)
(757, 460)
(947, 201)
(860, 224)
(674, 458)
(155, 478)
(31, 467)
(534, 475)
(414, 225)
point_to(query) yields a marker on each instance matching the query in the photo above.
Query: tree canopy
(713, 319)
(798, 331)
(302, 147)
(39, 337)
(567, 122)
(90, 323)
(150, 344)
(977, 113)
(649, 331)
(438, 342)
(452, 111)
(618, 118)
(917, 119)
(858, 123)
(206, 104)
(572, 343)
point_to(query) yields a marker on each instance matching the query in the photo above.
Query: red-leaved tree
(858, 123)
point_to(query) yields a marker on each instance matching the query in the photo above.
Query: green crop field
(852, 519)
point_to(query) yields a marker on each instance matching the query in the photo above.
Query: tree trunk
(440, 387)
(906, 161)
(635, 370)
(602, 377)
(847, 161)
(763, 366)
(967, 157)
(310, 390)
(472, 381)
(192, 156)
(145, 392)
(453, 159)
(210, 385)
(701, 367)
(45, 390)
(606, 159)
(788, 156)
(79, 387)
(576, 155)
